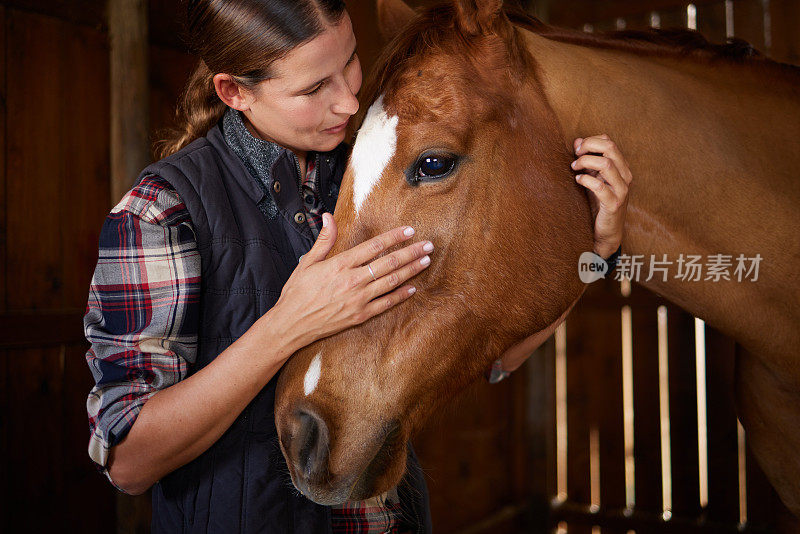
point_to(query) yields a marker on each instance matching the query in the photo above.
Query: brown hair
(241, 38)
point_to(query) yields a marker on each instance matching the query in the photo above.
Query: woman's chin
(329, 141)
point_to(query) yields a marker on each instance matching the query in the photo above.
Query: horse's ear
(476, 17)
(393, 16)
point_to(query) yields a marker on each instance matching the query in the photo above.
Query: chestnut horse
(468, 139)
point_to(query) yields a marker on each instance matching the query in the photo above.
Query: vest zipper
(299, 173)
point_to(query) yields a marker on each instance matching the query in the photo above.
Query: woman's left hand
(607, 176)
(608, 179)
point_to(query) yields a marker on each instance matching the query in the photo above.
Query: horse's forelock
(435, 32)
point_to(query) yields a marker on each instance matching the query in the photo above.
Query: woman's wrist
(274, 329)
(612, 259)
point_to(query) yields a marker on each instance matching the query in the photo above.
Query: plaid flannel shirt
(142, 321)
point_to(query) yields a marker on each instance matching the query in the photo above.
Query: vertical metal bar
(594, 469)
(702, 431)
(561, 412)
(767, 28)
(627, 406)
(742, 476)
(625, 287)
(663, 403)
(729, 28)
(691, 17)
(655, 19)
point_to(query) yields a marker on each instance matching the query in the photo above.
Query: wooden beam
(130, 112)
(130, 151)
(3, 148)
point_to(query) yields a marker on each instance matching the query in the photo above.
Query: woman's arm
(322, 297)
(180, 422)
(141, 317)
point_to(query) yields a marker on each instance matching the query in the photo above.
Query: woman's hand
(608, 179)
(325, 296)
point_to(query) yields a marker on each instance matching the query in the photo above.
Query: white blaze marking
(312, 375)
(373, 149)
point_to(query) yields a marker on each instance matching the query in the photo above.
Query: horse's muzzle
(306, 443)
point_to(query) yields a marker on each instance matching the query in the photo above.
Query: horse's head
(459, 143)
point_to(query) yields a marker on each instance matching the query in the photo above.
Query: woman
(185, 371)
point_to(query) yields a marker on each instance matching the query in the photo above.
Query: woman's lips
(337, 129)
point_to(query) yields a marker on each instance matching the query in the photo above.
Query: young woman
(212, 272)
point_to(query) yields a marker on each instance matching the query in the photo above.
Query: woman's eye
(315, 90)
(434, 166)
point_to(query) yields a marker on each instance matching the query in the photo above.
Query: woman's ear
(393, 16)
(230, 92)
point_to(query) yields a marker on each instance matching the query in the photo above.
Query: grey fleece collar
(257, 155)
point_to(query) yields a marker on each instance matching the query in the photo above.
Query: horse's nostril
(312, 445)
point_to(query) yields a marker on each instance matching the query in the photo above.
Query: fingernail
(408, 231)
(412, 290)
(580, 144)
(573, 164)
(325, 220)
(578, 177)
(427, 247)
(425, 261)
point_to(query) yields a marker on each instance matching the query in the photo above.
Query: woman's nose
(345, 102)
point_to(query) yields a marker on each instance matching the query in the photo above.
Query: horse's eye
(433, 167)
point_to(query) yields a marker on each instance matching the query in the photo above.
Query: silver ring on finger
(369, 268)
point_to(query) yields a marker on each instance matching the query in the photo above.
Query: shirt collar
(259, 156)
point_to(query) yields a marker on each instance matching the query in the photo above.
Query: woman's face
(307, 104)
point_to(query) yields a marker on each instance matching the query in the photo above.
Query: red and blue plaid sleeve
(142, 314)
(381, 514)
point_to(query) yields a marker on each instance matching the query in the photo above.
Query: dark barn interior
(87, 84)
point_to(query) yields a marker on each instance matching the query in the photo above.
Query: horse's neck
(713, 153)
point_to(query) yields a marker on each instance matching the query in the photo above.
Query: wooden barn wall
(54, 196)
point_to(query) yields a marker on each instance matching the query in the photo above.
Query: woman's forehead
(324, 55)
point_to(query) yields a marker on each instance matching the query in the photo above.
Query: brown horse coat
(711, 137)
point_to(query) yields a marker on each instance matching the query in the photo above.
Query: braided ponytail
(199, 109)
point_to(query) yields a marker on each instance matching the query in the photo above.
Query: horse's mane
(436, 29)
(675, 42)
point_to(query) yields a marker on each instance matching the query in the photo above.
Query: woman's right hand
(325, 296)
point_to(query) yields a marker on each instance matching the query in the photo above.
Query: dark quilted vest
(241, 484)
